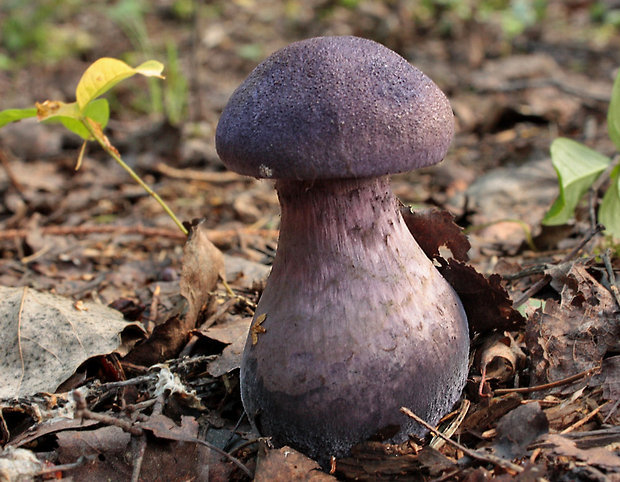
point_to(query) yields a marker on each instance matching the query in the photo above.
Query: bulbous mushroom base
(355, 322)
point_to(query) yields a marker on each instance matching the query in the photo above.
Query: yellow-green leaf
(105, 73)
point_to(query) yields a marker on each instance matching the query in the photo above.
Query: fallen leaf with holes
(44, 339)
(574, 335)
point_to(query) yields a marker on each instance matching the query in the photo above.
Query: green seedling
(89, 114)
(578, 167)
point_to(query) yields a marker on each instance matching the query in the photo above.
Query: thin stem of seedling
(111, 150)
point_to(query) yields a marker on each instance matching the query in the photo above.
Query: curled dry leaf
(203, 264)
(499, 357)
(44, 339)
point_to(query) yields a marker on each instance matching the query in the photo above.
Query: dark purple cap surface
(334, 107)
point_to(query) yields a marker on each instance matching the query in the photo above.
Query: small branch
(541, 283)
(613, 287)
(82, 412)
(506, 464)
(585, 419)
(204, 176)
(217, 237)
(557, 383)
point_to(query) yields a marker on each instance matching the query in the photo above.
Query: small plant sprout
(89, 114)
(578, 167)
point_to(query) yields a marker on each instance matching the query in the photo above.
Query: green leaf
(13, 115)
(99, 111)
(609, 211)
(105, 73)
(577, 167)
(613, 114)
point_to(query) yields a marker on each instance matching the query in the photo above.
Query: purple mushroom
(355, 321)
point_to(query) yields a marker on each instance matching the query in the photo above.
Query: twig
(585, 419)
(217, 237)
(506, 464)
(64, 467)
(205, 176)
(541, 283)
(82, 412)
(141, 441)
(613, 288)
(557, 383)
(84, 230)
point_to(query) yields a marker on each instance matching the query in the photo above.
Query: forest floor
(543, 391)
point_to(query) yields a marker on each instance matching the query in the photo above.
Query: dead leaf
(499, 357)
(114, 455)
(234, 333)
(203, 263)
(287, 464)
(44, 339)
(519, 428)
(571, 336)
(598, 456)
(486, 302)
(164, 343)
(434, 229)
(19, 465)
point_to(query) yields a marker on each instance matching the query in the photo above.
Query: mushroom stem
(357, 323)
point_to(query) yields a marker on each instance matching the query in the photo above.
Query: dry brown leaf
(499, 357)
(114, 456)
(434, 229)
(486, 302)
(44, 339)
(571, 336)
(598, 456)
(234, 333)
(519, 428)
(203, 264)
(287, 464)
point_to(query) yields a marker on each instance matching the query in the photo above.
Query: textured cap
(334, 107)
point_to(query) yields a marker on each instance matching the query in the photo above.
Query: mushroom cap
(334, 107)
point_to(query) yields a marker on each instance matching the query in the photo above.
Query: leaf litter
(554, 365)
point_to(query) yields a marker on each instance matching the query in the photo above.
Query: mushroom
(355, 321)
